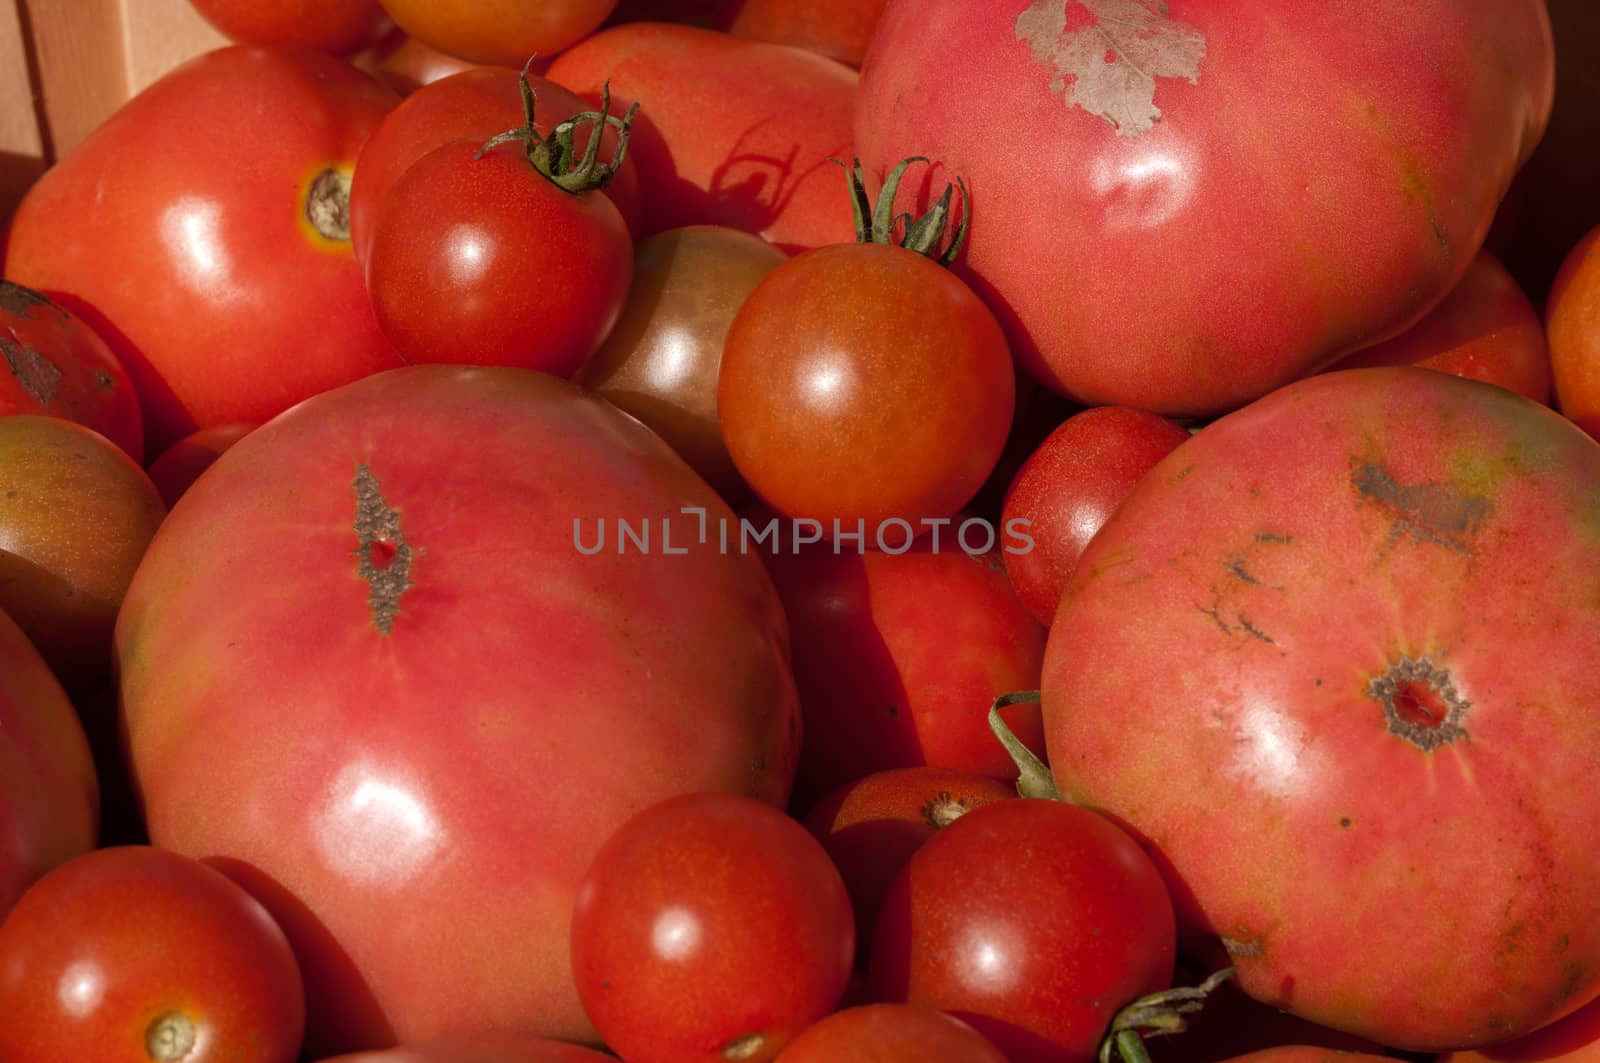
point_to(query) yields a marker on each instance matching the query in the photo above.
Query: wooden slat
(82, 73)
(160, 34)
(21, 149)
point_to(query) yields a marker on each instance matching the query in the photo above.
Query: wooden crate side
(21, 147)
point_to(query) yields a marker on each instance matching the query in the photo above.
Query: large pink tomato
(1181, 204)
(391, 662)
(1335, 660)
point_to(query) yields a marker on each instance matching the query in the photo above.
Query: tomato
(49, 797)
(1179, 206)
(1230, 1023)
(480, 103)
(661, 361)
(1069, 488)
(337, 26)
(481, 1048)
(76, 514)
(1572, 320)
(207, 240)
(139, 955)
(865, 383)
(731, 132)
(1034, 921)
(870, 826)
(405, 64)
(411, 561)
(898, 655)
(1485, 329)
(61, 368)
(882, 1033)
(682, 905)
(503, 255)
(838, 29)
(1573, 1039)
(503, 32)
(1364, 576)
(181, 464)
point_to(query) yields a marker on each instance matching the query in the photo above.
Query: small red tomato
(1035, 921)
(1070, 486)
(1485, 329)
(182, 463)
(61, 367)
(890, 1033)
(503, 32)
(865, 383)
(1572, 321)
(506, 256)
(141, 955)
(710, 927)
(336, 26)
(899, 655)
(870, 827)
(838, 29)
(478, 103)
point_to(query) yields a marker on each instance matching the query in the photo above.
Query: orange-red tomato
(1485, 329)
(1572, 320)
(498, 1047)
(61, 367)
(336, 26)
(182, 463)
(503, 32)
(890, 1033)
(139, 955)
(838, 29)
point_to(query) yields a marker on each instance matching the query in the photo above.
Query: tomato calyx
(876, 224)
(1034, 778)
(1156, 1015)
(556, 156)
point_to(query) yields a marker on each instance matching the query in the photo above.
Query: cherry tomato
(660, 362)
(182, 463)
(1070, 487)
(141, 955)
(480, 257)
(336, 26)
(1572, 319)
(60, 367)
(405, 64)
(504, 32)
(898, 656)
(208, 240)
(1035, 921)
(481, 103)
(890, 1033)
(710, 927)
(865, 383)
(871, 826)
(76, 514)
(481, 1048)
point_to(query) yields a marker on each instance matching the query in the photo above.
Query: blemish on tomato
(1435, 513)
(1420, 703)
(383, 557)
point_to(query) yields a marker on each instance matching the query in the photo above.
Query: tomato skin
(482, 103)
(153, 935)
(1126, 261)
(1485, 329)
(351, 818)
(871, 826)
(1574, 1038)
(1572, 319)
(484, 261)
(661, 361)
(1305, 642)
(76, 514)
(838, 29)
(49, 794)
(1034, 921)
(336, 26)
(681, 904)
(481, 1048)
(890, 1033)
(502, 32)
(729, 132)
(189, 249)
(59, 367)
(406, 64)
(865, 382)
(1069, 488)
